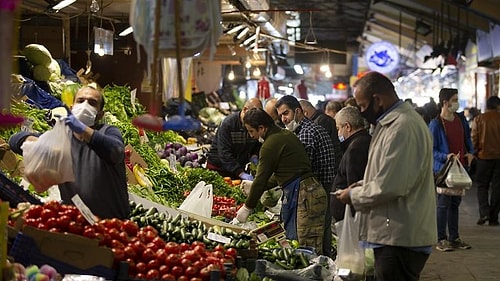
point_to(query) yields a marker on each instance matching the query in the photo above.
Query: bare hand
(344, 196)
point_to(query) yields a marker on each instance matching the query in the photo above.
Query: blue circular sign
(382, 57)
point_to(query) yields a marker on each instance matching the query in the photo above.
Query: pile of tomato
(148, 256)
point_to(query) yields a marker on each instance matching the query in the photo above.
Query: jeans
(488, 172)
(398, 263)
(447, 215)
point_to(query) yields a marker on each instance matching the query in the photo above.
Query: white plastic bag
(457, 176)
(200, 200)
(349, 254)
(48, 160)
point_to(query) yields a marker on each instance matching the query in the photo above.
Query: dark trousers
(488, 175)
(398, 263)
(327, 233)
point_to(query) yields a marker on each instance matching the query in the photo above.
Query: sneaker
(444, 246)
(459, 244)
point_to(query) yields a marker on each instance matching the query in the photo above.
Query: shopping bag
(440, 177)
(349, 253)
(457, 176)
(200, 200)
(48, 160)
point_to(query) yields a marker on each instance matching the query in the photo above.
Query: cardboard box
(9, 161)
(135, 158)
(74, 250)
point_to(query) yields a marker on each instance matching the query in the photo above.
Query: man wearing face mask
(98, 158)
(451, 136)
(319, 147)
(396, 199)
(284, 162)
(355, 141)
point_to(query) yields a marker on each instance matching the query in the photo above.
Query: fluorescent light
(63, 4)
(243, 33)
(250, 39)
(298, 69)
(235, 29)
(126, 31)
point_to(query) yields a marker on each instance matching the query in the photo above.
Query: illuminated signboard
(382, 57)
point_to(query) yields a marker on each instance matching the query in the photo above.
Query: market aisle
(481, 263)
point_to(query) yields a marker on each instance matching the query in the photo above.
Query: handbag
(457, 176)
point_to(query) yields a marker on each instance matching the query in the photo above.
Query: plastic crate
(25, 251)
(15, 194)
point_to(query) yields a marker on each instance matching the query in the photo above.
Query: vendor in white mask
(98, 157)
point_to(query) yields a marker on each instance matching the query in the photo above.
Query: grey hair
(351, 115)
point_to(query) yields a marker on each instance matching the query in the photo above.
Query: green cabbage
(37, 54)
(50, 73)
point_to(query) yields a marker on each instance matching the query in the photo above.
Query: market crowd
(374, 153)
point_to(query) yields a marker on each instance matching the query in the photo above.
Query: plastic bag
(48, 160)
(200, 200)
(457, 176)
(349, 253)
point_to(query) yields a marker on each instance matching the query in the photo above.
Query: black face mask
(370, 114)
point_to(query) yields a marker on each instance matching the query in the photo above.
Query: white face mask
(293, 124)
(453, 107)
(261, 140)
(85, 113)
(341, 138)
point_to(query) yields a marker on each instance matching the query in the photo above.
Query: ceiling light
(230, 76)
(256, 72)
(298, 69)
(94, 6)
(235, 29)
(126, 31)
(63, 4)
(250, 39)
(243, 33)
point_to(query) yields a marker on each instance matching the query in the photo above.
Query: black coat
(330, 126)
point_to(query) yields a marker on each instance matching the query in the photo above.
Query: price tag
(343, 272)
(262, 237)
(86, 212)
(133, 95)
(218, 238)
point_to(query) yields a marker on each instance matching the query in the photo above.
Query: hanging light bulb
(324, 68)
(230, 76)
(256, 72)
(328, 74)
(248, 64)
(94, 6)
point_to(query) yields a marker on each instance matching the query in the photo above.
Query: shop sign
(382, 57)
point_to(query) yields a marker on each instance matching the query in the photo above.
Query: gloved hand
(245, 186)
(245, 176)
(74, 124)
(254, 159)
(242, 215)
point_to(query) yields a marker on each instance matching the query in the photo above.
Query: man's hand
(245, 176)
(245, 186)
(242, 215)
(74, 124)
(343, 195)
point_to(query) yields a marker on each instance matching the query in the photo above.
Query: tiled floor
(481, 263)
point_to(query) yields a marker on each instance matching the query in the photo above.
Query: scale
(273, 230)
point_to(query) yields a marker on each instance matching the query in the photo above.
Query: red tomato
(31, 222)
(148, 255)
(131, 266)
(55, 229)
(231, 252)
(200, 250)
(177, 271)
(172, 248)
(41, 225)
(71, 212)
(130, 227)
(113, 223)
(33, 212)
(150, 228)
(140, 276)
(182, 278)
(153, 264)
(172, 259)
(152, 246)
(185, 262)
(116, 244)
(191, 271)
(184, 247)
(168, 277)
(52, 205)
(119, 254)
(141, 267)
(218, 254)
(81, 219)
(164, 269)
(158, 242)
(138, 247)
(153, 274)
(123, 237)
(89, 232)
(114, 233)
(219, 248)
(161, 255)
(51, 222)
(129, 252)
(195, 279)
(150, 235)
(75, 228)
(197, 243)
(205, 273)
